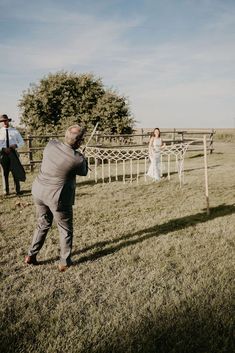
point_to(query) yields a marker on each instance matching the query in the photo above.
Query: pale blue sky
(173, 59)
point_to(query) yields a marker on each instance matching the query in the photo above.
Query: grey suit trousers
(64, 221)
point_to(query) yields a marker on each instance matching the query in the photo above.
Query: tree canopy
(63, 99)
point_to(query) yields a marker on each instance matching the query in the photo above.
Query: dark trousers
(5, 168)
(64, 221)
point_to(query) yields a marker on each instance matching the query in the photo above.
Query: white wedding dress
(154, 170)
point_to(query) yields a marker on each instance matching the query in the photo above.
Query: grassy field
(152, 272)
(225, 135)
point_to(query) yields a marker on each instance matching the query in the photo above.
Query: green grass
(152, 272)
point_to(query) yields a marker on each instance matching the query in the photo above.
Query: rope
(116, 155)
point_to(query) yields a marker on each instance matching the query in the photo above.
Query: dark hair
(157, 128)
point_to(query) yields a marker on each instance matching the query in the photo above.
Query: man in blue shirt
(10, 140)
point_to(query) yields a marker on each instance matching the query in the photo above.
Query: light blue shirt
(15, 137)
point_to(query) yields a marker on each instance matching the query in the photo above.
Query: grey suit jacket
(56, 182)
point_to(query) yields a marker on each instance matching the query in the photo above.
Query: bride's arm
(163, 144)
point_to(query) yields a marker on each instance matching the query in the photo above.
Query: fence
(32, 154)
(171, 136)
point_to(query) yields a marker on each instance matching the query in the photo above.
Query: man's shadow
(108, 247)
(111, 246)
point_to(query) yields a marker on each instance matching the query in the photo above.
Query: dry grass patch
(152, 273)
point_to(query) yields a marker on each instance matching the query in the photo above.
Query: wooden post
(182, 136)
(173, 137)
(30, 152)
(206, 176)
(142, 136)
(211, 141)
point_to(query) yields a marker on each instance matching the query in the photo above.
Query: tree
(63, 99)
(113, 113)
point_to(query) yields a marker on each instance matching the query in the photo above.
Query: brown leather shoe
(62, 268)
(31, 260)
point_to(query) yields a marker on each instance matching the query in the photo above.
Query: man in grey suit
(54, 193)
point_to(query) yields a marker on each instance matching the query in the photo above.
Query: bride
(155, 144)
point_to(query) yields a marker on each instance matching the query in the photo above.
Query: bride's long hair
(159, 132)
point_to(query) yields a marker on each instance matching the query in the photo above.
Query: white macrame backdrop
(110, 160)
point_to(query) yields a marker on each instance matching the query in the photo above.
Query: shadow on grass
(194, 326)
(155, 231)
(112, 179)
(196, 155)
(128, 177)
(114, 245)
(202, 168)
